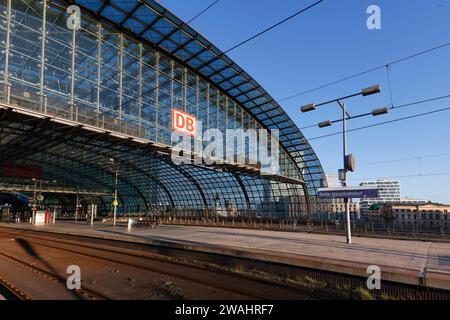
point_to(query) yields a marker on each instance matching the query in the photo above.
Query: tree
(387, 213)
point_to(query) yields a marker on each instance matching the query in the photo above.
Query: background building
(417, 216)
(389, 191)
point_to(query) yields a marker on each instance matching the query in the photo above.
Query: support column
(99, 65)
(172, 80)
(76, 206)
(197, 96)
(217, 108)
(207, 106)
(120, 75)
(54, 215)
(226, 146)
(226, 113)
(241, 111)
(43, 40)
(140, 84)
(247, 199)
(308, 203)
(197, 144)
(72, 70)
(157, 99)
(185, 85)
(7, 51)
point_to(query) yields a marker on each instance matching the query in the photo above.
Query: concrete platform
(405, 261)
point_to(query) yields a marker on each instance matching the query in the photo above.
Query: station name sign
(183, 122)
(348, 192)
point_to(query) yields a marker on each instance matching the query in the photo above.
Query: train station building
(88, 93)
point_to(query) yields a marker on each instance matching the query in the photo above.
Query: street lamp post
(347, 159)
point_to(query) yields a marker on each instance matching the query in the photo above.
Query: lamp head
(308, 107)
(380, 111)
(371, 90)
(324, 124)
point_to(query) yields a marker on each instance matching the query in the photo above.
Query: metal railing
(50, 189)
(402, 229)
(86, 115)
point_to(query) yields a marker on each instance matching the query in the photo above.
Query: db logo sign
(184, 123)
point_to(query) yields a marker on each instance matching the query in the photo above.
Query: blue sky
(331, 42)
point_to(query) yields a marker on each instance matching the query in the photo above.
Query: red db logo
(184, 123)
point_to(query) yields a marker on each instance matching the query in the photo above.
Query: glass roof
(150, 21)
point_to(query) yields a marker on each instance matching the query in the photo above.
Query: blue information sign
(348, 192)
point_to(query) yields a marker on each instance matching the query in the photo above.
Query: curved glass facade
(129, 73)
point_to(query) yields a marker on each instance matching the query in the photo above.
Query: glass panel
(24, 62)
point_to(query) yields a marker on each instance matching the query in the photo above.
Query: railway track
(10, 292)
(269, 277)
(237, 284)
(87, 293)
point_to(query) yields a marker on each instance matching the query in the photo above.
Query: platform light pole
(116, 203)
(216, 203)
(77, 205)
(116, 170)
(40, 192)
(116, 185)
(33, 209)
(348, 160)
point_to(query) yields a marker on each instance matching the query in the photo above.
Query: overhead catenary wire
(364, 72)
(203, 11)
(433, 174)
(405, 159)
(420, 157)
(273, 26)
